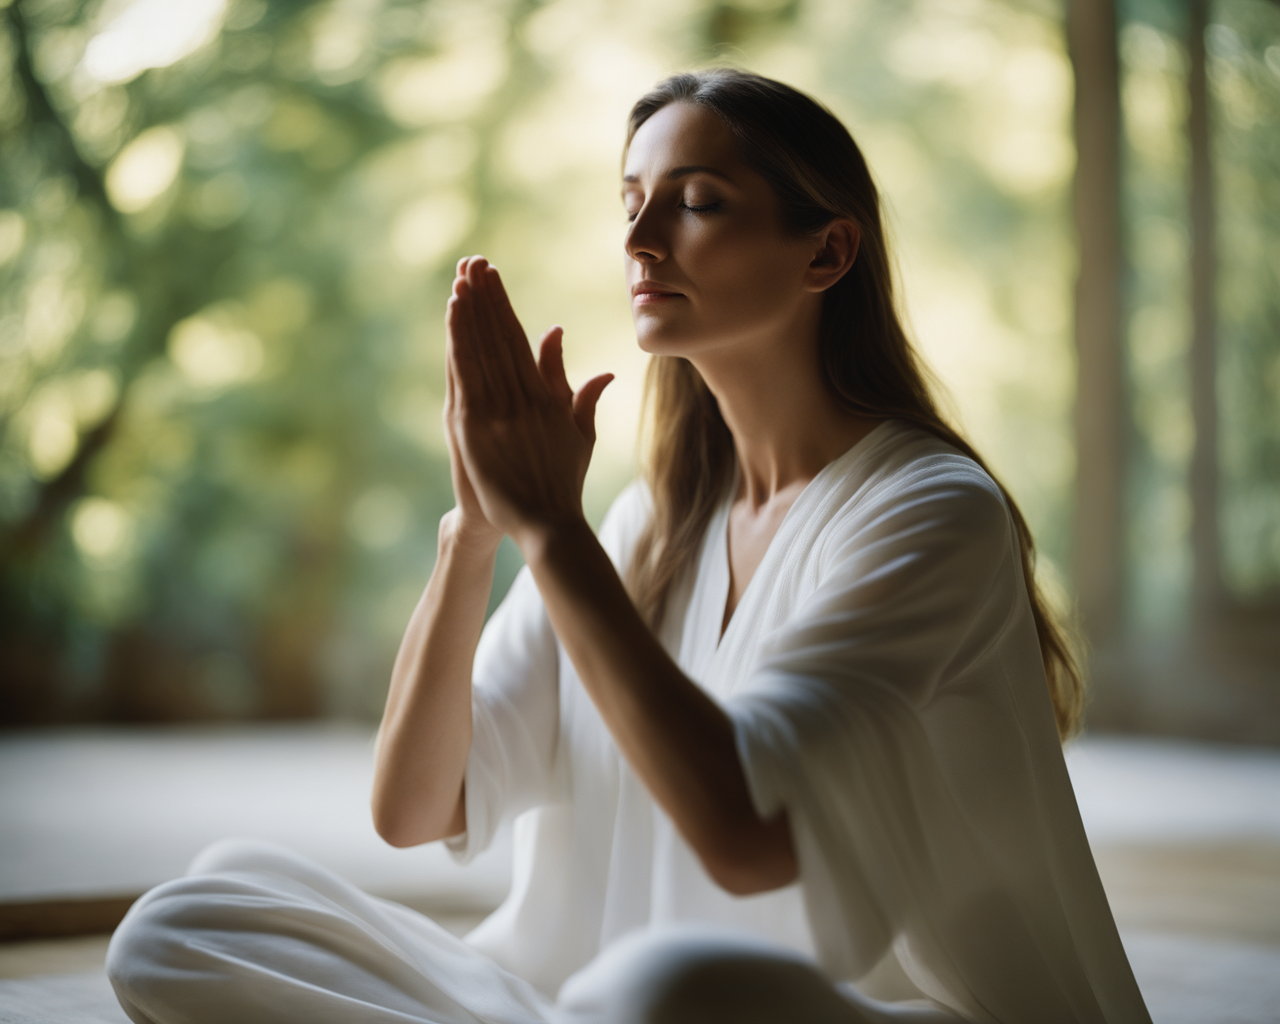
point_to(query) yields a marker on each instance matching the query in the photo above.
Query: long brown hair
(819, 174)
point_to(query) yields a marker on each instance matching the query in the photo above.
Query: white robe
(884, 679)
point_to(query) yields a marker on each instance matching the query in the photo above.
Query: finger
(510, 343)
(448, 381)
(551, 364)
(460, 271)
(584, 404)
(491, 349)
(513, 330)
(450, 392)
(472, 388)
(490, 364)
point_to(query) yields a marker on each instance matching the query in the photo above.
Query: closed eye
(690, 207)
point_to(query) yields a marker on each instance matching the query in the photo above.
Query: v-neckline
(721, 526)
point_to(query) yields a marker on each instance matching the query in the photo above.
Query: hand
(467, 521)
(522, 437)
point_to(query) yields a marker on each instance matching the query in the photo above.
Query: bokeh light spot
(446, 88)
(103, 530)
(151, 34)
(145, 169)
(213, 352)
(13, 232)
(52, 437)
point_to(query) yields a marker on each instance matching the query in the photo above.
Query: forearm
(676, 738)
(425, 734)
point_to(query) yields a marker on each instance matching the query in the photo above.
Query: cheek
(743, 278)
(742, 272)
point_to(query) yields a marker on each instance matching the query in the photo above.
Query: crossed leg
(690, 974)
(256, 933)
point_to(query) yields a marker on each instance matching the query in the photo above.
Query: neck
(785, 421)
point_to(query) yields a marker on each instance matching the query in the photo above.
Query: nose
(644, 242)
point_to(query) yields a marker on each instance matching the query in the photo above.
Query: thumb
(584, 404)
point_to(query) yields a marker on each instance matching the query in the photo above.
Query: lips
(652, 291)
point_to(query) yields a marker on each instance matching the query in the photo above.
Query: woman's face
(708, 261)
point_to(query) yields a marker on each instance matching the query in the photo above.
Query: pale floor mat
(1195, 980)
(1187, 839)
(1186, 980)
(89, 952)
(52, 956)
(60, 999)
(111, 812)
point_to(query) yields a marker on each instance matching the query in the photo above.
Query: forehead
(682, 135)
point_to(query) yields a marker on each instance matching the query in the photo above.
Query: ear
(837, 248)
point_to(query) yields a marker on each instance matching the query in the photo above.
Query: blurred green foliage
(227, 231)
(1244, 69)
(1243, 66)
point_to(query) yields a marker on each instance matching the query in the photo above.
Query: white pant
(257, 933)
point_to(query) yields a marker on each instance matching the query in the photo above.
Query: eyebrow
(681, 172)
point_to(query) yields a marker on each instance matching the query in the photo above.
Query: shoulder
(912, 482)
(909, 457)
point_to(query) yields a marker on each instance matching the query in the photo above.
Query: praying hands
(520, 441)
(520, 438)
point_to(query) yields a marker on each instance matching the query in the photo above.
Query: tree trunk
(1100, 419)
(1206, 586)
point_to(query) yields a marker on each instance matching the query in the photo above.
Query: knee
(163, 941)
(689, 983)
(141, 944)
(155, 935)
(241, 855)
(686, 975)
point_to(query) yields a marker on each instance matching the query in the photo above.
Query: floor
(1187, 839)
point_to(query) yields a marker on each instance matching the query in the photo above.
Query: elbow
(758, 862)
(394, 830)
(397, 826)
(400, 840)
(403, 827)
(751, 876)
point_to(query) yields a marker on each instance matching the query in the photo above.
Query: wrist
(541, 541)
(466, 537)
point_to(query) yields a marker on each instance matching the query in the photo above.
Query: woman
(783, 741)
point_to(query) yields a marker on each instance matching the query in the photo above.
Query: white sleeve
(901, 719)
(515, 712)
(515, 761)
(828, 728)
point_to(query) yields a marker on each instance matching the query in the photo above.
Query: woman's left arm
(526, 440)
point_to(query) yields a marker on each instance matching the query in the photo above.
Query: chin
(670, 340)
(662, 339)
(674, 331)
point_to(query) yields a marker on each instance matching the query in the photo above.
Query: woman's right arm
(420, 758)
(422, 745)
